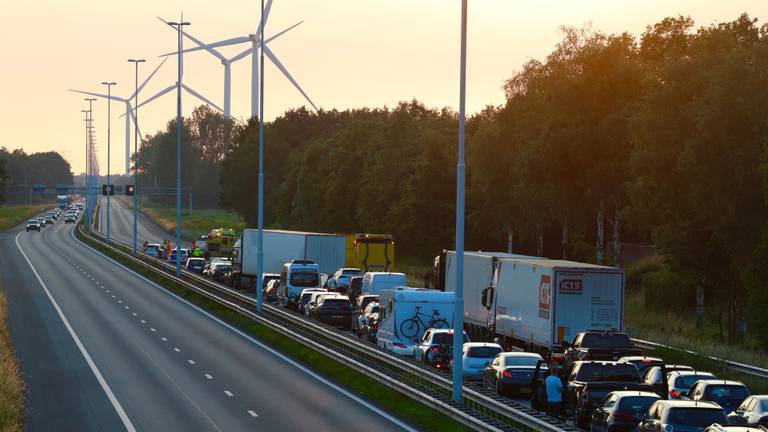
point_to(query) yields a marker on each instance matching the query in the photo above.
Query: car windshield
(223, 266)
(483, 352)
(727, 391)
(304, 278)
(686, 381)
(446, 339)
(764, 405)
(374, 309)
(305, 297)
(636, 404)
(366, 301)
(196, 263)
(32, 221)
(521, 360)
(606, 340)
(701, 417)
(593, 372)
(351, 272)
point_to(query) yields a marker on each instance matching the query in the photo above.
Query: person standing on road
(554, 388)
(167, 248)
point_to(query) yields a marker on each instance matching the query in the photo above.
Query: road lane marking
(143, 322)
(104, 385)
(152, 329)
(209, 376)
(191, 362)
(176, 349)
(252, 413)
(228, 393)
(164, 339)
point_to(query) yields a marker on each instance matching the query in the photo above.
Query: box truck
(538, 304)
(479, 268)
(370, 252)
(406, 313)
(280, 247)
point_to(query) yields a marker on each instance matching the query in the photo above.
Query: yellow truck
(219, 242)
(370, 252)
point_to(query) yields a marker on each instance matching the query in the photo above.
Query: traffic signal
(107, 189)
(129, 189)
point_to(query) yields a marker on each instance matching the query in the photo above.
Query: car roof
(350, 269)
(520, 354)
(689, 373)
(196, 259)
(335, 296)
(311, 290)
(627, 393)
(639, 358)
(677, 403)
(602, 362)
(481, 344)
(721, 382)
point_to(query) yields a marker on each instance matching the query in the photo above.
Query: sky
(345, 54)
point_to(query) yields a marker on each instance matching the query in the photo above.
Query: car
(367, 323)
(53, 215)
(270, 292)
(336, 310)
(339, 281)
(679, 382)
(720, 428)
(211, 262)
(752, 412)
(728, 394)
(621, 410)
(642, 363)
(195, 265)
(266, 278)
(589, 381)
(431, 343)
(312, 300)
(354, 288)
(361, 303)
(33, 225)
(172, 255)
(48, 220)
(41, 220)
(69, 219)
(657, 377)
(512, 373)
(476, 356)
(681, 416)
(599, 345)
(152, 249)
(219, 270)
(306, 296)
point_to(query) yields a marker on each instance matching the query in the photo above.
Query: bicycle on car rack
(410, 327)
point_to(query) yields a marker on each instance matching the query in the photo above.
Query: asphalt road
(121, 223)
(102, 349)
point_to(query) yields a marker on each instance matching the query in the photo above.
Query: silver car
(680, 382)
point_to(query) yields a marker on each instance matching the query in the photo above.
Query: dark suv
(335, 310)
(681, 416)
(599, 345)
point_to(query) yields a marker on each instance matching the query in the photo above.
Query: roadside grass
(412, 412)
(11, 384)
(414, 269)
(200, 223)
(13, 215)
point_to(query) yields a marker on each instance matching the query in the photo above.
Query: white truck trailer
(280, 247)
(540, 303)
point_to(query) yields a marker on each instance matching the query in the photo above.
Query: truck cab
(296, 276)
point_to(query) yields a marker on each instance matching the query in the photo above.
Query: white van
(374, 282)
(296, 276)
(406, 313)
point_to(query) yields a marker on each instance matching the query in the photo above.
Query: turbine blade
(133, 117)
(260, 28)
(198, 42)
(227, 42)
(155, 96)
(241, 55)
(268, 52)
(103, 96)
(201, 97)
(266, 41)
(138, 90)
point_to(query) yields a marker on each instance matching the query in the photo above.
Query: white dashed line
(113, 296)
(191, 362)
(143, 322)
(164, 339)
(152, 329)
(252, 413)
(119, 301)
(228, 393)
(176, 349)
(209, 376)
(134, 314)
(127, 307)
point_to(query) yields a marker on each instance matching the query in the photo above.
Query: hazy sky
(346, 54)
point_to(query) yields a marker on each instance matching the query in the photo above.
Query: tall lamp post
(178, 26)
(458, 311)
(85, 180)
(109, 142)
(260, 217)
(89, 165)
(136, 150)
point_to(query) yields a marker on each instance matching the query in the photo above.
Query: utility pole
(178, 26)
(260, 236)
(89, 198)
(136, 151)
(109, 143)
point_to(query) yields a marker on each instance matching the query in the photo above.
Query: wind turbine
(128, 111)
(254, 40)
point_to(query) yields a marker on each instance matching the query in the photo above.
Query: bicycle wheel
(439, 323)
(409, 328)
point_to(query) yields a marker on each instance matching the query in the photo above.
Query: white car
(680, 382)
(476, 356)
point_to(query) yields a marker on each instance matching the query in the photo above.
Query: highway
(103, 349)
(121, 223)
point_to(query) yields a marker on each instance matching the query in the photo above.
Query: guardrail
(480, 408)
(732, 365)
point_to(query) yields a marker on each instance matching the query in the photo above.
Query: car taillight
(507, 374)
(434, 348)
(674, 394)
(558, 358)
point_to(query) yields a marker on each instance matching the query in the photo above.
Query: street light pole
(458, 302)
(85, 180)
(89, 165)
(109, 141)
(135, 150)
(178, 26)
(260, 236)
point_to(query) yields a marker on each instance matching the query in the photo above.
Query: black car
(354, 288)
(728, 394)
(599, 345)
(622, 411)
(512, 373)
(681, 416)
(335, 310)
(195, 265)
(33, 225)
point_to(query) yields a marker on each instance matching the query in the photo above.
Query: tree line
(17, 168)
(657, 138)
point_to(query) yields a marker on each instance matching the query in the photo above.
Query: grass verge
(10, 216)
(11, 384)
(411, 411)
(200, 223)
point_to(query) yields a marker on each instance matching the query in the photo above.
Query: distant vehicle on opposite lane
(33, 225)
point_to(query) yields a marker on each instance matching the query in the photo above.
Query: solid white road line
(209, 376)
(252, 413)
(258, 343)
(176, 349)
(228, 393)
(191, 362)
(107, 390)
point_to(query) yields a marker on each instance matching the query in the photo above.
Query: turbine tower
(128, 113)
(255, 41)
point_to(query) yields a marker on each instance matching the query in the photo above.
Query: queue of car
(50, 217)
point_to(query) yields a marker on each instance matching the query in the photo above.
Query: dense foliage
(17, 168)
(658, 138)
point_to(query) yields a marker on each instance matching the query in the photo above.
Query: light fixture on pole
(85, 179)
(89, 162)
(178, 26)
(458, 301)
(136, 151)
(109, 139)
(260, 236)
